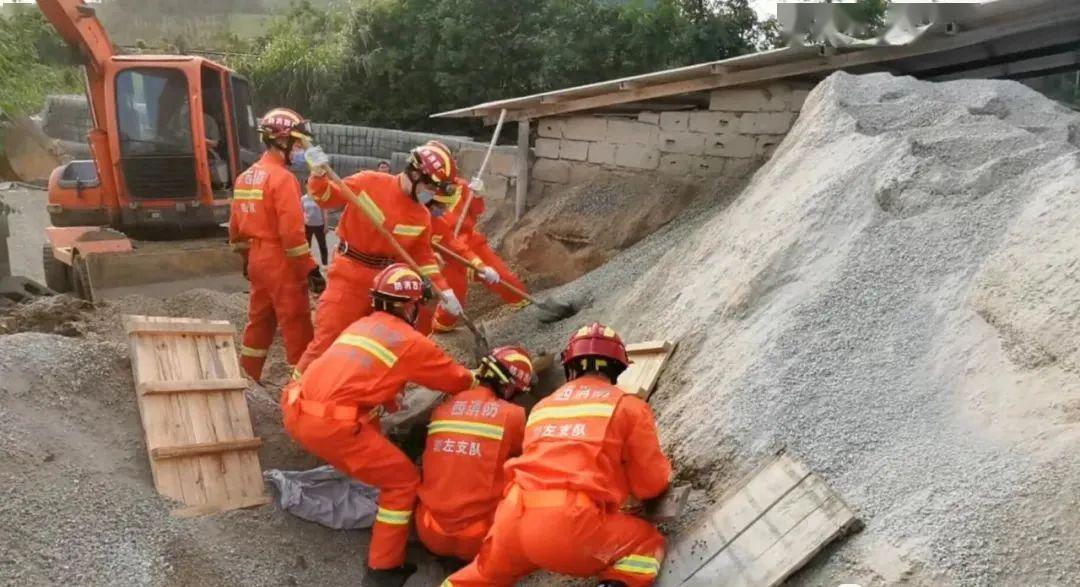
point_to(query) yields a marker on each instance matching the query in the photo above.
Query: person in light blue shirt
(315, 224)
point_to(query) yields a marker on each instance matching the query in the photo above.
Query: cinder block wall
(739, 131)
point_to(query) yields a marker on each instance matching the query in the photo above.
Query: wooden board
(769, 528)
(647, 361)
(203, 451)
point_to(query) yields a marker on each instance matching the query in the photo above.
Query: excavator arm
(77, 23)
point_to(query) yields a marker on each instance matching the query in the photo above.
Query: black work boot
(610, 583)
(395, 577)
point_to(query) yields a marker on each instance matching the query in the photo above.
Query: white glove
(489, 275)
(476, 185)
(450, 302)
(317, 160)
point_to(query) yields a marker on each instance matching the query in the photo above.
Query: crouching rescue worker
(267, 228)
(400, 201)
(469, 439)
(332, 411)
(587, 447)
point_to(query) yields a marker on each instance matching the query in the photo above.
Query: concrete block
(687, 143)
(675, 164)
(504, 161)
(798, 98)
(496, 186)
(631, 132)
(585, 128)
(547, 148)
(674, 121)
(706, 166)
(779, 94)
(730, 145)
(740, 168)
(573, 150)
(550, 128)
(738, 99)
(766, 123)
(649, 117)
(602, 153)
(712, 123)
(551, 170)
(583, 172)
(766, 144)
(637, 156)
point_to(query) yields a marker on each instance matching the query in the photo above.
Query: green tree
(34, 62)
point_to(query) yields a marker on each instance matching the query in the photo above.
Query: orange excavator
(170, 134)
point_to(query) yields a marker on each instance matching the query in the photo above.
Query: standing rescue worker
(400, 201)
(458, 276)
(332, 411)
(442, 232)
(587, 447)
(469, 439)
(266, 227)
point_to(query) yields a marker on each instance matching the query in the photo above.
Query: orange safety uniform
(442, 232)
(267, 227)
(587, 447)
(457, 276)
(332, 412)
(469, 440)
(364, 252)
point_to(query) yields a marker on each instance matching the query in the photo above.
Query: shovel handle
(480, 172)
(456, 257)
(398, 248)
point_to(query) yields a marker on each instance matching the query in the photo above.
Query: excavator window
(157, 152)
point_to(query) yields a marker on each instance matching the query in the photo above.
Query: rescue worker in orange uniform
(442, 232)
(332, 411)
(266, 227)
(469, 440)
(457, 276)
(401, 202)
(587, 447)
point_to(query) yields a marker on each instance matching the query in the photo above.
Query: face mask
(424, 196)
(297, 161)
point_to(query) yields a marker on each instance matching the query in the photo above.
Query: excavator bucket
(104, 264)
(26, 154)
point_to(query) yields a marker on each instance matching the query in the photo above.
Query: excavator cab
(170, 135)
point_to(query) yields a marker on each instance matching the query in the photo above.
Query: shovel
(480, 340)
(550, 311)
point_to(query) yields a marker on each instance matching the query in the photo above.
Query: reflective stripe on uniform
(426, 270)
(299, 251)
(638, 565)
(325, 196)
(253, 194)
(446, 583)
(296, 374)
(408, 230)
(246, 351)
(393, 517)
(370, 345)
(371, 208)
(578, 411)
(466, 427)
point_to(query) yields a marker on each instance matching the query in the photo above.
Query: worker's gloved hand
(317, 160)
(489, 275)
(476, 185)
(450, 302)
(316, 282)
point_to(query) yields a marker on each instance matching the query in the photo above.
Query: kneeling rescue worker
(266, 227)
(470, 437)
(587, 447)
(332, 411)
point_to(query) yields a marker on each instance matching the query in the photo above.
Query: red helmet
(399, 291)
(595, 341)
(435, 165)
(511, 367)
(439, 145)
(282, 123)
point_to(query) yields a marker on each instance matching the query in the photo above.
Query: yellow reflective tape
(393, 517)
(247, 194)
(426, 270)
(638, 565)
(325, 195)
(446, 583)
(300, 251)
(436, 239)
(408, 230)
(578, 411)
(519, 357)
(399, 274)
(370, 345)
(476, 262)
(467, 428)
(583, 331)
(609, 333)
(247, 351)
(371, 208)
(296, 374)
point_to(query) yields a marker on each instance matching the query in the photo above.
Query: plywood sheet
(766, 530)
(647, 361)
(203, 451)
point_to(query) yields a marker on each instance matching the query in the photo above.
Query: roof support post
(522, 192)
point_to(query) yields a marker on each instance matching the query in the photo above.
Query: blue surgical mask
(297, 161)
(424, 196)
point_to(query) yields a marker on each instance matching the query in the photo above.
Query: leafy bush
(34, 62)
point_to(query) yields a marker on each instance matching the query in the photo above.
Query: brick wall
(739, 131)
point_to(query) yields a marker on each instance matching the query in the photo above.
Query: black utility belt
(369, 260)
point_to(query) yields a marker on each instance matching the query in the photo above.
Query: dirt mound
(62, 314)
(571, 233)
